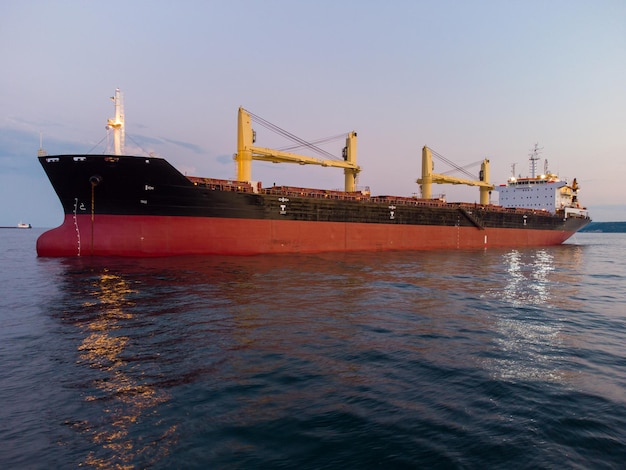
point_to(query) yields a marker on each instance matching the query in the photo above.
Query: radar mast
(534, 156)
(117, 123)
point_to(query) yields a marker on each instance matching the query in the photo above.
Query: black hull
(151, 186)
(123, 205)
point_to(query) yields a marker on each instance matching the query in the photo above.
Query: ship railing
(222, 185)
(351, 196)
(409, 201)
(516, 210)
(576, 212)
(363, 196)
(316, 193)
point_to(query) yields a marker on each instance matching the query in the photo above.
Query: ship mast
(41, 152)
(534, 156)
(117, 123)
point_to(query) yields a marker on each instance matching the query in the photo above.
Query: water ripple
(464, 359)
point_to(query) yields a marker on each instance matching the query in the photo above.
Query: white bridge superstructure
(545, 192)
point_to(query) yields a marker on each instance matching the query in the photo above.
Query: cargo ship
(134, 206)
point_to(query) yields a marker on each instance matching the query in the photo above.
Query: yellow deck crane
(246, 152)
(428, 178)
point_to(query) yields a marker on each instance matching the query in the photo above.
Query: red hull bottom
(143, 236)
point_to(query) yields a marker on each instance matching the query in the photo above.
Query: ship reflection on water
(167, 349)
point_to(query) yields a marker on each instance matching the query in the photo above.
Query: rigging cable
(303, 143)
(452, 164)
(465, 167)
(94, 147)
(315, 142)
(137, 144)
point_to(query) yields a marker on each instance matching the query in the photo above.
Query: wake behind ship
(118, 205)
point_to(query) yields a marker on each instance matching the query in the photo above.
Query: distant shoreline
(605, 227)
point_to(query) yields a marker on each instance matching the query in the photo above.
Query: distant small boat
(23, 225)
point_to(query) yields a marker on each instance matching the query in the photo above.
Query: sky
(469, 79)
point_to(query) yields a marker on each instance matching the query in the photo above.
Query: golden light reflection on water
(127, 399)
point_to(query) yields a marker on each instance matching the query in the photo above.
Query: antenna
(534, 156)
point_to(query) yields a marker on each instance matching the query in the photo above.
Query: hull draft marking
(76, 225)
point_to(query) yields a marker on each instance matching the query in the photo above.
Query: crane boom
(445, 179)
(428, 178)
(277, 156)
(246, 152)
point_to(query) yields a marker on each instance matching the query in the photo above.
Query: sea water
(496, 358)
